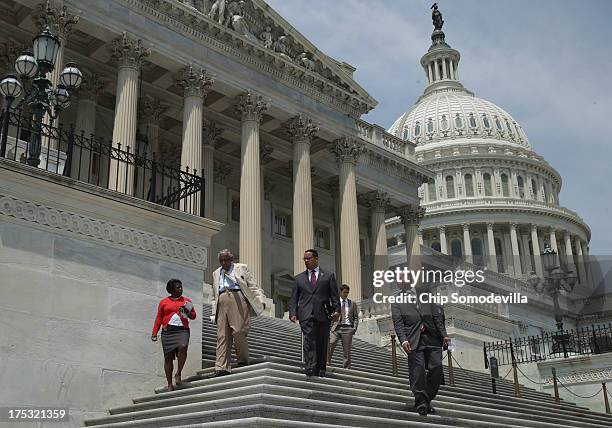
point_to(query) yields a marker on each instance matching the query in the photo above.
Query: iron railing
(93, 160)
(550, 345)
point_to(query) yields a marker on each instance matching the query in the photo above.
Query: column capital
(59, 21)
(128, 52)
(251, 106)
(301, 129)
(91, 86)
(377, 201)
(442, 229)
(222, 171)
(347, 150)
(151, 109)
(466, 227)
(411, 214)
(513, 225)
(211, 133)
(552, 229)
(194, 81)
(567, 235)
(265, 153)
(534, 228)
(489, 226)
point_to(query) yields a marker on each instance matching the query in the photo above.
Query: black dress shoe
(309, 373)
(422, 410)
(219, 373)
(242, 364)
(322, 374)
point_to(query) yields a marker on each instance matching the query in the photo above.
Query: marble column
(411, 216)
(420, 237)
(60, 23)
(527, 267)
(443, 244)
(553, 240)
(467, 243)
(251, 107)
(347, 153)
(129, 55)
(436, 71)
(535, 243)
(194, 82)
(580, 262)
(430, 73)
(569, 253)
(84, 160)
(516, 256)
(378, 202)
(210, 135)
(444, 74)
(301, 130)
(492, 251)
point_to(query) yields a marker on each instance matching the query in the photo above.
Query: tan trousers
(233, 323)
(345, 334)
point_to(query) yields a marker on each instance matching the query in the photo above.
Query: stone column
(467, 243)
(452, 69)
(553, 240)
(84, 160)
(580, 262)
(210, 134)
(301, 129)
(347, 153)
(443, 244)
(430, 73)
(60, 23)
(129, 55)
(516, 256)
(444, 74)
(527, 267)
(491, 244)
(586, 261)
(436, 72)
(411, 216)
(569, 254)
(420, 237)
(378, 202)
(251, 108)
(535, 243)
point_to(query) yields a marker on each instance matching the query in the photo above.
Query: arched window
(545, 192)
(436, 246)
(431, 190)
(534, 186)
(486, 122)
(469, 185)
(417, 129)
(458, 121)
(498, 124)
(499, 252)
(509, 129)
(456, 250)
(505, 186)
(488, 188)
(477, 251)
(405, 135)
(472, 121)
(450, 187)
(430, 127)
(444, 123)
(521, 187)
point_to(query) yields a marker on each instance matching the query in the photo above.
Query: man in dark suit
(344, 328)
(314, 301)
(420, 329)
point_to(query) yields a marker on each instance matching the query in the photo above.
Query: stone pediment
(254, 28)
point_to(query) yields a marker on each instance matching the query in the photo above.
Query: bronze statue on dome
(436, 17)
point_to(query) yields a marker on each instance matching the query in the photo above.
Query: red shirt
(168, 307)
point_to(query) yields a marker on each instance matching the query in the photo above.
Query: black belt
(233, 290)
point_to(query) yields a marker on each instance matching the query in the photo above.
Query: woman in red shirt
(173, 315)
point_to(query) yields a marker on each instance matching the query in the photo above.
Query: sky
(547, 62)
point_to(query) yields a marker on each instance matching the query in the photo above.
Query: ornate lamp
(46, 48)
(549, 259)
(71, 76)
(10, 88)
(26, 65)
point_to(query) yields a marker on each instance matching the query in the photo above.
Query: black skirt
(172, 338)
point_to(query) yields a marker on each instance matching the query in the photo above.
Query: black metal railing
(550, 345)
(97, 161)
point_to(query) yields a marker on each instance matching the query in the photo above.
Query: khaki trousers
(346, 335)
(233, 323)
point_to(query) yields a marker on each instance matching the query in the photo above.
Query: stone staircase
(274, 392)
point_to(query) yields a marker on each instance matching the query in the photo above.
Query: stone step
(282, 383)
(260, 423)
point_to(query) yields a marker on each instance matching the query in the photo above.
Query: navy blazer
(319, 303)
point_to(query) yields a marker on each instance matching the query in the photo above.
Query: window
(417, 129)
(282, 224)
(472, 121)
(431, 190)
(436, 246)
(486, 122)
(444, 123)
(235, 208)
(545, 193)
(430, 127)
(469, 185)
(477, 252)
(521, 187)
(405, 135)
(534, 187)
(458, 121)
(450, 187)
(456, 250)
(488, 188)
(509, 129)
(498, 124)
(321, 238)
(505, 186)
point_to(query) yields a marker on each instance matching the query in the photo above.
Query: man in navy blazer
(314, 302)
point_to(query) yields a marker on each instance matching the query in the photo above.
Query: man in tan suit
(344, 327)
(236, 297)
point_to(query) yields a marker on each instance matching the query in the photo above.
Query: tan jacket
(353, 315)
(248, 287)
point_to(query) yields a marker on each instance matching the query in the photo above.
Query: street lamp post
(555, 279)
(42, 97)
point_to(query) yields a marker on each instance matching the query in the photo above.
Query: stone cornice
(390, 164)
(196, 25)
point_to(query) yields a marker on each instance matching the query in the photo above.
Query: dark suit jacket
(353, 315)
(319, 303)
(407, 320)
